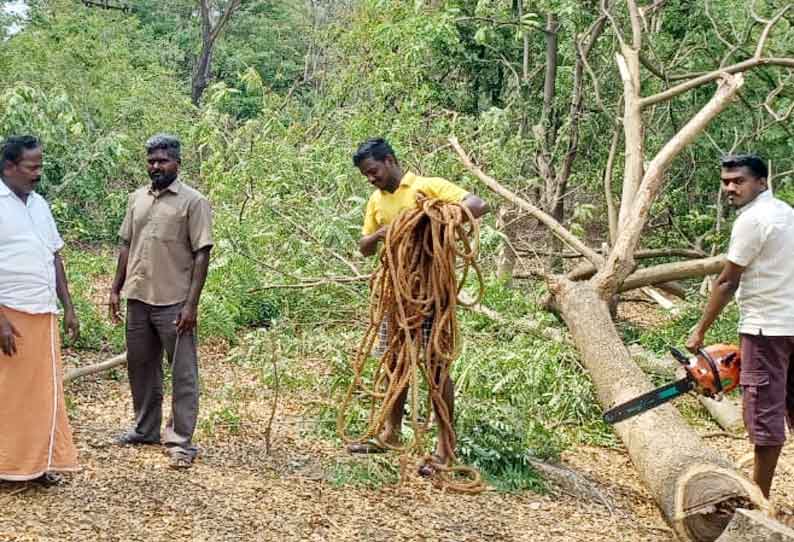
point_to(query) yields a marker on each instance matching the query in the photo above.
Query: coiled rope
(417, 279)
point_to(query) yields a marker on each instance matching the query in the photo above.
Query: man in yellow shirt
(396, 192)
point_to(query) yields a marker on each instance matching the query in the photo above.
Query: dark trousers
(150, 330)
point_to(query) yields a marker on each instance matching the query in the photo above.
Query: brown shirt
(164, 229)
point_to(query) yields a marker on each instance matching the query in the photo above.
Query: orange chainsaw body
(715, 369)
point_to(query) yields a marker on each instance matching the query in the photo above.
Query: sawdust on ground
(237, 492)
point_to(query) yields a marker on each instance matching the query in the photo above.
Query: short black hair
(167, 142)
(750, 160)
(14, 146)
(376, 148)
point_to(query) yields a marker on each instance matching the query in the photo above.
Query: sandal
(49, 479)
(180, 461)
(430, 466)
(130, 438)
(367, 447)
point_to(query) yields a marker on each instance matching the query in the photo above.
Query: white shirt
(29, 240)
(762, 241)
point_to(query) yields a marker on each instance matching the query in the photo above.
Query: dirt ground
(237, 492)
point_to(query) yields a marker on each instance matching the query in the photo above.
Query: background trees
(531, 90)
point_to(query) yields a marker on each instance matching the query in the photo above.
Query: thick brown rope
(417, 279)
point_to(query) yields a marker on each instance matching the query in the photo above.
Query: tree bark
(612, 215)
(695, 488)
(634, 139)
(209, 35)
(755, 526)
(666, 272)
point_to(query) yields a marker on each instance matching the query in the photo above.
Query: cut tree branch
(639, 255)
(106, 4)
(313, 283)
(115, 361)
(666, 272)
(547, 220)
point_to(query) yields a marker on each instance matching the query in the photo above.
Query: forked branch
(620, 262)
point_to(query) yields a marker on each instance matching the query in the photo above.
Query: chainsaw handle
(714, 370)
(679, 356)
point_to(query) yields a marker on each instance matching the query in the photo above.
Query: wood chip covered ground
(237, 492)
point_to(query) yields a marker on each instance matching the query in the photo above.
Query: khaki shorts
(767, 380)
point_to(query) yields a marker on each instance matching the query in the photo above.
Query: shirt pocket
(168, 228)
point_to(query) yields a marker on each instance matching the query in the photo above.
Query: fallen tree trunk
(696, 488)
(115, 361)
(673, 288)
(755, 526)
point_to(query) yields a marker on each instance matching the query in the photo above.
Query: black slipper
(130, 438)
(49, 479)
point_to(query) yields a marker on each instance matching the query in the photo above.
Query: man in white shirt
(35, 437)
(759, 269)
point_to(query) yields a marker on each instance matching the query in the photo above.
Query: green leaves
(92, 106)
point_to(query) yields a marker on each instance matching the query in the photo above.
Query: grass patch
(518, 395)
(371, 472)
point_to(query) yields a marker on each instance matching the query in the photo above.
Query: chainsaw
(713, 372)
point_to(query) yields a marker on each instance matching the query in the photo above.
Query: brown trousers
(767, 380)
(151, 330)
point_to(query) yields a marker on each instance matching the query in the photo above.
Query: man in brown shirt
(166, 240)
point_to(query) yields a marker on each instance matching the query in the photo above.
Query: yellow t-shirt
(383, 207)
